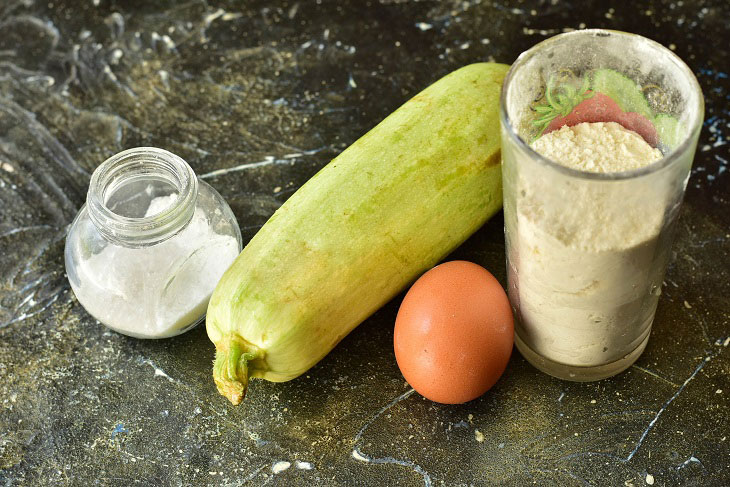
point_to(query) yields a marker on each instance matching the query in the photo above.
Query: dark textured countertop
(258, 97)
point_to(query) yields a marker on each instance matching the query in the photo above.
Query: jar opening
(142, 196)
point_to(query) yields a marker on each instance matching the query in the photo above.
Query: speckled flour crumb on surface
(597, 147)
(279, 467)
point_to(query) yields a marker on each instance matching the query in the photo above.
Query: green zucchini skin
(389, 207)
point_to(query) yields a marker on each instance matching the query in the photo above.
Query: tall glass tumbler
(587, 251)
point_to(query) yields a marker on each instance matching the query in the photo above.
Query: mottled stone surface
(257, 97)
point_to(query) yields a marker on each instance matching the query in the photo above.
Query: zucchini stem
(230, 369)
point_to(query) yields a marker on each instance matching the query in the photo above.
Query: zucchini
(671, 131)
(623, 90)
(389, 207)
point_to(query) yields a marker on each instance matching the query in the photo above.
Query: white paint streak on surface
(665, 406)
(360, 456)
(211, 17)
(269, 160)
(158, 371)
(357, 456)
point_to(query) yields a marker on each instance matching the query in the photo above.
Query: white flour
(154, 291)
(585, 248)
(597, 147)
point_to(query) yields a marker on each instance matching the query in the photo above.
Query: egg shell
(454, 333)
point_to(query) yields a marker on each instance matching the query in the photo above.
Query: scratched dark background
(258, 96)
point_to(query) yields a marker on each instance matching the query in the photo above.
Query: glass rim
(145, 230)
(666, 160)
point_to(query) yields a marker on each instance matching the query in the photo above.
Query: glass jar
(145, 252)
(587, 251)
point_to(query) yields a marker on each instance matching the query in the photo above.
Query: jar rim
(667, 159)
(146, 230)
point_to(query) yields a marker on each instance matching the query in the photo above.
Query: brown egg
(454, 333)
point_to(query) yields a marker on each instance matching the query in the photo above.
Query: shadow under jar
(587, 251)
(145, 252)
